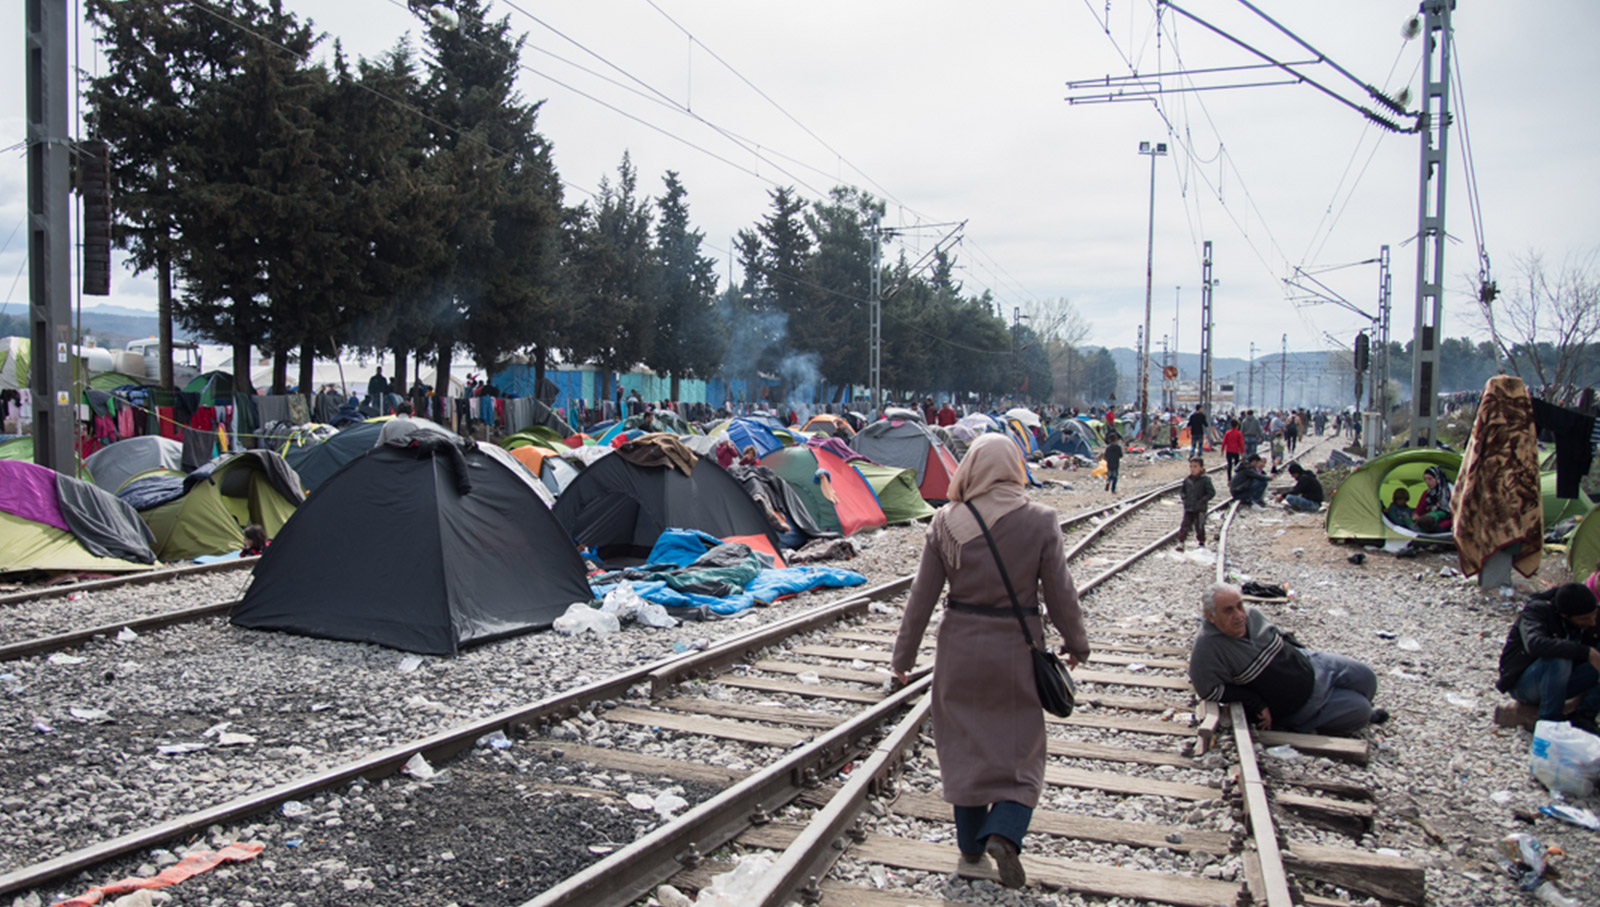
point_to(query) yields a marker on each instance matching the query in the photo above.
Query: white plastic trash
(1564, 758)
(651, 614)
(581, 617)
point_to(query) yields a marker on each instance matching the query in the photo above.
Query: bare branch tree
(1546, 323)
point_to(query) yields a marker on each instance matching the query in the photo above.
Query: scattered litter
(294, 809)
(321, 706)
(1577, 815)
(1386, 634)
(1360, 557)
(216, 729)
(495, 739)
(1388, 852)
(667, 803)
(1401, 673)
(641, 801)
(1136, 667)
(1501, 797)
(410, 663)
(598, 849)
(127, 635)
(1527, 859)
(43, 726)
(62, 658)
(879, 876)
(581, 617)
(1448, 570)
(178, 749)
(1338, 612)
(88, 714)
(1285, 752)
(735, 888)
(227, 739)
(1564, 758)
(294, 842)
(1299, 552)
(879, 608)
(418, 767)
(1464, 702)
(808, 677)
(1409, 644)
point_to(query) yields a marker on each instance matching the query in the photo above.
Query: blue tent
(744, 432)
(1065, 443)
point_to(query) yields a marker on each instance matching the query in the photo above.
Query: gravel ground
(310, 704)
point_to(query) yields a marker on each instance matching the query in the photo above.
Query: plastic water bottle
(1550, 894)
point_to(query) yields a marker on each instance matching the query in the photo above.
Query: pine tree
(690, 340)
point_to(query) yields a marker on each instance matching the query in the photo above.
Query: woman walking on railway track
(987, 721)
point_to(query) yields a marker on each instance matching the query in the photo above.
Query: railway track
(804, 700)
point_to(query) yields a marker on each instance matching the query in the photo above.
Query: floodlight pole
(1154, 150)
(875, 319)
(1435, 116)
(49, 239)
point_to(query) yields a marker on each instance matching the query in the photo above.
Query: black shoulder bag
(1057, 692)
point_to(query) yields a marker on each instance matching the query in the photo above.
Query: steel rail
(630, 873)
(44, 644)
(434, 747)
(135, 579)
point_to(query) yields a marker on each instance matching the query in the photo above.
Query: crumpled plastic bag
(581, 617)
(733, 889)
(627, 605)
(1564, 758)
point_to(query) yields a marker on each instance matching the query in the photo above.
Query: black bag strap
(995, 550)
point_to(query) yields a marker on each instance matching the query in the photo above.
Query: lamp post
(1154, 150)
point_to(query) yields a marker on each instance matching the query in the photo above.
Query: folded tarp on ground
(690, 557)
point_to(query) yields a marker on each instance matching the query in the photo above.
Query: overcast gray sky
(953, 110)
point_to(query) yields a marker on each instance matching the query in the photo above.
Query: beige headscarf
(992, 477)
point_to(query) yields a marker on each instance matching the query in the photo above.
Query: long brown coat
(987, 722)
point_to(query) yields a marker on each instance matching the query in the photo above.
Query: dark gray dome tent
(396, 549)
(620, 508)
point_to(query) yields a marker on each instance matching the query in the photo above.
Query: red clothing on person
(947, 416)
(1233, 441)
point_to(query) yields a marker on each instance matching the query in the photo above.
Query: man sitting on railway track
(1241, 656)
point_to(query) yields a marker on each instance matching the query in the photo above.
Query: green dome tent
(896, 488)
(1355, 509)
(1583, 549)
(220, 499)
(1558, 509)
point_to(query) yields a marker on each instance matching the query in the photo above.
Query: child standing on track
(1113, 460)
(1197, 493)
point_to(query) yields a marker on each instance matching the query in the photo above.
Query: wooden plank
(1121, 723)
(1346, 816)
(759, 734)
(1140, 648)
(641, 764)
(1210, 715)
(884, 639)
(844, 653)
(1109, 782)
(1345, 749)
(1078, 877)
(773, 666)
(1165, 664)
(1076, 749)
(743, 712)
(1083, 828)
(1126, 679)
(808, 690)
(1130, 703)
(843, 894)
(1390, 878)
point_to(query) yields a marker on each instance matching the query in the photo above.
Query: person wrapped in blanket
(1432, 513)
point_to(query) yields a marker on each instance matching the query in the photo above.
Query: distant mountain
(111, 326)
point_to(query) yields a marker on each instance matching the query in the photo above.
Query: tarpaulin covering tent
(908, 444)
(896, 489)
(55, 522)
(620, 508)
(314, 463)
(554, 471)
(835, 495)
(221, 498)
(391, 550)
(113, 465)
(1558, 509)
(829, 424)
(1583, 549)
(750, 432)
(1355, 509)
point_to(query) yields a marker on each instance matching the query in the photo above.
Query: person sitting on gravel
(1249, 483)
(1399, 510)
(1551, 655)
(1306, 495)
(1241, 656)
